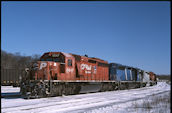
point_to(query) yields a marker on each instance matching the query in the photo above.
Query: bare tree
(16, 61)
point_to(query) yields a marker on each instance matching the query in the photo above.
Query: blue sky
(131, 33)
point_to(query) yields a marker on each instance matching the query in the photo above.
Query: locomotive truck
(59, 73)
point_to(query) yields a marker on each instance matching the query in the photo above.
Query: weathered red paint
(81, 68)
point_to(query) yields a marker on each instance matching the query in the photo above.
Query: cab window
(53, 57)
(69, 62)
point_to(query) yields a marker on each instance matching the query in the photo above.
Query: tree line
(164, 77)
(16, 60)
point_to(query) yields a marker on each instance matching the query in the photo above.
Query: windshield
(51, 59)
(55, 59)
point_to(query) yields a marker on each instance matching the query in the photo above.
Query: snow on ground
(148, 99)
(9, 89)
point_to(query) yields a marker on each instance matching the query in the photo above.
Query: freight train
(11, 77)
(59, 73)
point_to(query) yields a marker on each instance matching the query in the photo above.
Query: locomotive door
(70, 69)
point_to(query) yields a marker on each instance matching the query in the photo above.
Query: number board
(55, 55)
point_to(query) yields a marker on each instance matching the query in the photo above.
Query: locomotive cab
(53, 66)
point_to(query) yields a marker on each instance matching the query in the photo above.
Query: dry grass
(153, 104)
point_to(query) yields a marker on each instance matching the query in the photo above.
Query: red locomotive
(64, 66)
(58, 73)
(152, 76)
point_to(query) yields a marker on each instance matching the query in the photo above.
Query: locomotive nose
(39, 65)
(35, 66)
(42, 65)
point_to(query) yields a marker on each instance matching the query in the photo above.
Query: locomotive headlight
(26, 69)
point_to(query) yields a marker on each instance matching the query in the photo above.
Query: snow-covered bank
(109, 102)
(159, 103)
(9, 89)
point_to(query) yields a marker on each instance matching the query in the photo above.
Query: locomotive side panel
(120, 72)
(92, 69)
(103, 71)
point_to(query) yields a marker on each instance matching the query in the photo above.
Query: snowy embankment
(147, 99)
(9, 89)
